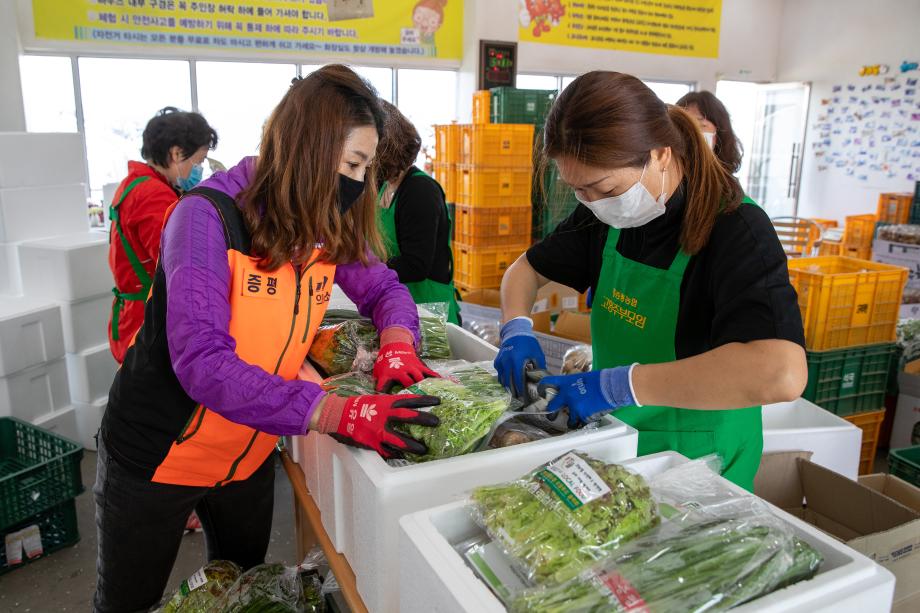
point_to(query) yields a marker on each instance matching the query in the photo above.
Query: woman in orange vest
(247, 263)
(175, 145)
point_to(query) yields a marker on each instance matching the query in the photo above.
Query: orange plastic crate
(482, 106)
(476, 267)
(447, 143)
(894, 207)
(502, 145)
(446, 175)
(486, 186)
(858, 234)
(830, 248)
(870, 424)
(825, 223)
(492, 226)
(846, 301)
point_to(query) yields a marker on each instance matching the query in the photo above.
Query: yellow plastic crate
(486, 227)
(482, 106)
(502, 145)
(870, 424)
(894, 207)
(847, 301)
(446, 175)
(825, 223)
(447, 143)
(858, 234)
(476, 267)
(487, 186)
(830, 248)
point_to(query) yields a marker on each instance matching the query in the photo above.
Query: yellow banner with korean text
(365, 28)
(666, 27)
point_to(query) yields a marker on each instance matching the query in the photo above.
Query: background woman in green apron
(693, 316)
(414, 219)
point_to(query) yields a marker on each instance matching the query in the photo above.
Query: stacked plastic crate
(850, 310)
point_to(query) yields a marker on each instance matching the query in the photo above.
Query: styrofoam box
(86, 322)
(66, 268)
(30, 158)
(89, 418)
(63, 423)
(91, 373)
(804, 426)
(30, 334)
(434, 576)
(28, 213)
(10, 279)
(35, 391)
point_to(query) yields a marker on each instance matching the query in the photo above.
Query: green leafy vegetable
(273, 588)
(219, 576)
(553, 542)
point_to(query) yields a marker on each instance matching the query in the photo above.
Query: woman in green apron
(414, 219)
(694, 323)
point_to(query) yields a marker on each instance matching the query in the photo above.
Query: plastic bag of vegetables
(697, 563)
(198, 593)
(274, 588)
(471, 400)
(433, 319)
(349, 384)
(577, 359)
(565, 515)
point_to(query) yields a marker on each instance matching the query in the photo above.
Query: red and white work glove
(397, 362)
(367, 421)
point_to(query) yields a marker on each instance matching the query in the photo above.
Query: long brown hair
(399, 145)
(613, 120)
(727, 148)
(291, 203)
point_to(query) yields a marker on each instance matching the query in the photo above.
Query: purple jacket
(193, 255)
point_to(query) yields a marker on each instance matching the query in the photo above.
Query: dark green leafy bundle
(471, 400)
(702, 566)
(337, 346)
(273, 588)
(350, 384)
(433, 320)
(218, 577)
(552, 542)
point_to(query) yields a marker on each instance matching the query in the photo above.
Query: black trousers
(140, 526)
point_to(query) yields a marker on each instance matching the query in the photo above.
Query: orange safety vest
(152, 425)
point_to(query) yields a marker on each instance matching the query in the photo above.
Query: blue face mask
(193, 179)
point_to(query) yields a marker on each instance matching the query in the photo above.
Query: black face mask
(349, 192)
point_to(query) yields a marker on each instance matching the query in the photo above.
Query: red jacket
(142, 214)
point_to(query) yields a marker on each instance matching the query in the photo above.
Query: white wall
(748, 49)
(12, 115)
(827, 43)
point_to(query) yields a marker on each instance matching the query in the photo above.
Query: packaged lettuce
(274, 588)
(200, 592)
(565, 515)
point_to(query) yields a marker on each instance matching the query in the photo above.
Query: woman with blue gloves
(694, 322)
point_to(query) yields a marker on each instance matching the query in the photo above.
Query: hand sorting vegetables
(589, 395)
(519, 352)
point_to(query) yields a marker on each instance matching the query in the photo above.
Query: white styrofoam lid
(69, 241)
(21, 305)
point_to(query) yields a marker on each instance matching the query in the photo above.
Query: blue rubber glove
(589, 394)
(519, 349)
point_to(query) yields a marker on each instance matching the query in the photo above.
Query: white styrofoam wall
(29, 213)
(434, 577)
(35, 391)
(66, 268)
(62, 422)
(33, 159)
(89, 418)
(86, 322)
(30, 334)
(91, 373)
(10, 279)
(804, 426)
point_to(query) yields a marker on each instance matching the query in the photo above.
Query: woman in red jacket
(175, 145)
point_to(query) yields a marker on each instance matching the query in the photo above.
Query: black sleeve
(567, 255)
(753, 299)
(420, 206)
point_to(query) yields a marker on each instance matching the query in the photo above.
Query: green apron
(634, 320)
(428, 290)
(142, 277)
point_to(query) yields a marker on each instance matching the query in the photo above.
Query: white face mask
(633, 208)
(710, 139)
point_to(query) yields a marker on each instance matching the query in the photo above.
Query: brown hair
(727, 148)
(613, 120)
(291, 202)
(399, 145)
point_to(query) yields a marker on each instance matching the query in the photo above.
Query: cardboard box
(858, 513)
(485, 297)
(556, 298)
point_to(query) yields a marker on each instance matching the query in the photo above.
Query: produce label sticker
(197, 580)
(573, 481)
(626, 596)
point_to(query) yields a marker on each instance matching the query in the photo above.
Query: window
(236, 98)
(566, 81)
(536, 81)
(380, 78)
(306, 69)
(427, 97)
(119, 98)
(740, 99)
(47, 93)
(669, 93)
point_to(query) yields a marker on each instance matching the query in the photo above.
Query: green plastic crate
(553, 202)
(38, 470)
(850, 380)
(905, 464)
(510, 105)
(58, 526)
